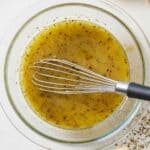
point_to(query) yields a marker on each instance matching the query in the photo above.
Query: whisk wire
(62, 72)
(76, 68)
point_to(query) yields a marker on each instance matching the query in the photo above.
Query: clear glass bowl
(44, 14)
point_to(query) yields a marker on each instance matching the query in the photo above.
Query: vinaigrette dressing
(88, 45)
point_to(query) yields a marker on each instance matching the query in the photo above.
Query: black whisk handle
(138, 91)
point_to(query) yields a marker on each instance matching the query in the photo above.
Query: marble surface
(137, 139)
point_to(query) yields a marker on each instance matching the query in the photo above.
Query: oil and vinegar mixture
(88, 45)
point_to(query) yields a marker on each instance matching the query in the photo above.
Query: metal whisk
(64, 77)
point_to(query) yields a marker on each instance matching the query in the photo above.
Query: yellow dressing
(88, 45)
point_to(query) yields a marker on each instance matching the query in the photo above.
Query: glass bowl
(102, 13)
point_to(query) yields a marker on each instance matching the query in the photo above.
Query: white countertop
(10, 139)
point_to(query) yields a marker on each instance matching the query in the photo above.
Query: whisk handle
(138, 91)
